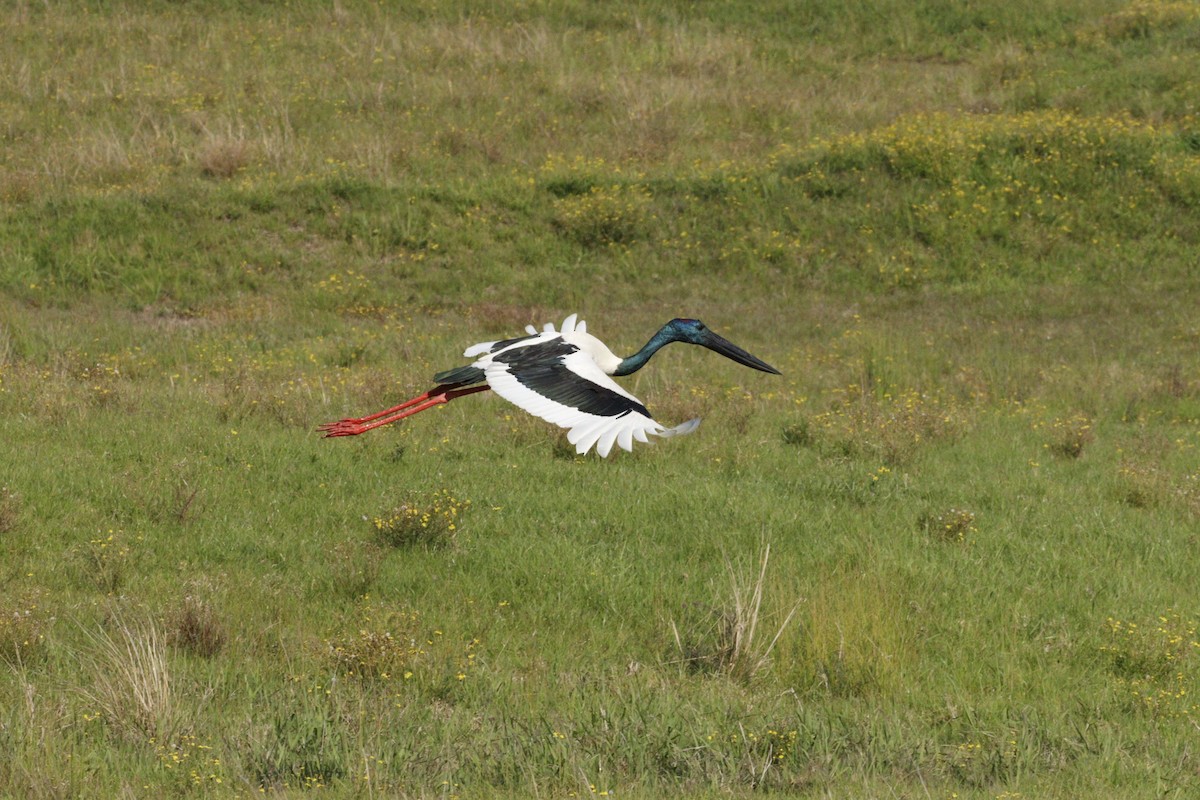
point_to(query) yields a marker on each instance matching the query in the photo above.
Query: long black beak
(728, 349)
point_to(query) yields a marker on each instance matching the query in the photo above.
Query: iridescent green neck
(638, 360)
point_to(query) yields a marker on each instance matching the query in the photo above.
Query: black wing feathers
(460, 376)
(503, 343)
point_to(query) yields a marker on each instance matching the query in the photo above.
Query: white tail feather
(681, 430)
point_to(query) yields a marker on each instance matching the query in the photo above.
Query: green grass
(966, 236)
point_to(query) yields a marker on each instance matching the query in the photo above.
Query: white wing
(478, 349)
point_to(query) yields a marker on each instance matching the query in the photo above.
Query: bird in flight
(562, 376)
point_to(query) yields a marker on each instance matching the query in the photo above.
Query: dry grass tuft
(17, 188)
(130, 679)
(10, 509)
(746, 656)
(224, 157)
(730, 643)
(196, 629)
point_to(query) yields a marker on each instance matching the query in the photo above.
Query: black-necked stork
(562, 376)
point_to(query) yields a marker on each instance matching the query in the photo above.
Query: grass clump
(951, 525)
(370, 654)
(604, 215)
(1148, 485)
(189, 762)
(104, 561)
(23, 628)
(1144, 485)
(729, 640)
(890, 427)
(384, 646)
(303, 748)
(131, 685)
(195, 628)
(982, 762)
(1156, 661)
(1154, 649)
(798, 433)
(224, 156)
(1143, 19)
(10, 509)
(431, 520)
(851, 641)
(354, 566)
(1068, 436)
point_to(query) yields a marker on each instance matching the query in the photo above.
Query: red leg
(434, 397)
(386, 411)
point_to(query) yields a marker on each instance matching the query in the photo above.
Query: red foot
(353, 426)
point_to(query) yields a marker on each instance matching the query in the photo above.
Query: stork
(561, 376)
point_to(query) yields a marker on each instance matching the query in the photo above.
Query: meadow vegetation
(950, 553)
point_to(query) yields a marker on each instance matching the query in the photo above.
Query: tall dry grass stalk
(746, 658)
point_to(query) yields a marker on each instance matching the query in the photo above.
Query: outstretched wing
(555, 380)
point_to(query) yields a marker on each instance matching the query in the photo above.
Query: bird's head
(693, 331)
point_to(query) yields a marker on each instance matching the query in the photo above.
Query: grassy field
(950, 553)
